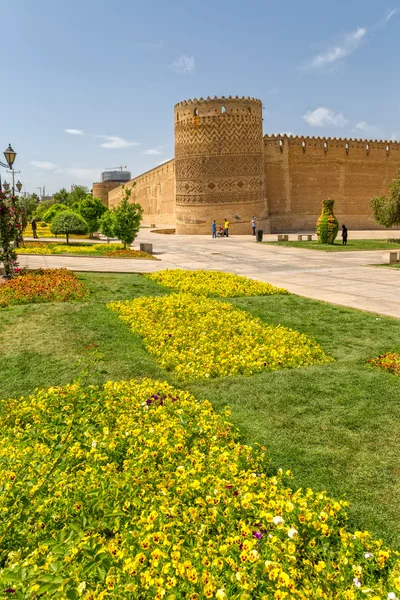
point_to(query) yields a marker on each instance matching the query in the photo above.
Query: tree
(128, 217)
(41, 209)
(92, 209)
(53, 211)
(77, 194)
(67, 222)
(107, 224)
(61, 197)
(29, 202)
(387, 210)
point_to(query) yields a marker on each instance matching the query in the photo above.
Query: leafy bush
(67, 223)
(92, 210)
(50, 285)
(208, 338)
(107, 224)
(327, 224)
(387, 210)
(139, 491)
(128, 217)
(51, 212)
(42, 207)
(213, 284)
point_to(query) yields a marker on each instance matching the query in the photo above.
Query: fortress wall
(155, 191)
(299, 178)
(101, 190)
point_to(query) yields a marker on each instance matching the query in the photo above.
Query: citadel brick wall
(302, 172)
(155, 191)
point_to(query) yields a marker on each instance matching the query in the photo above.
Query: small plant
(51, 212)
(67, 223)
(107, 224)
(92, 209)
(128, 217)
(327, 224)
(387, 210)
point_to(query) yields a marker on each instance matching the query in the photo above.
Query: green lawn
(338, 247)
(336, 426)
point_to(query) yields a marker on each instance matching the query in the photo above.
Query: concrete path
(345, 278)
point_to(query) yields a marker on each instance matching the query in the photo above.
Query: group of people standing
(222, 232)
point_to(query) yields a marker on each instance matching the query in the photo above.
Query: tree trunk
(67, 238)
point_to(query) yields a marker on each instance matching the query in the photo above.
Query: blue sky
(110, 73)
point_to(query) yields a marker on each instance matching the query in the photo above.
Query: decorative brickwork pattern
(219, 166)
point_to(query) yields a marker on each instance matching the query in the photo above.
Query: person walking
(344, 235)
(34, 228)
(254, 225)
(226, 227)
(214, 229)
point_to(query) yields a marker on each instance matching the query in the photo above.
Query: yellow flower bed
(43, 230)
(79, 249)
(209, 338)
(214, 283)
(139, 491)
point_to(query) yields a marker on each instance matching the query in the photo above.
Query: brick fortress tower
(219, 165)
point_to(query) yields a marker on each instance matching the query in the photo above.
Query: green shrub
(327, 224)
(51, 212)
(67, 222)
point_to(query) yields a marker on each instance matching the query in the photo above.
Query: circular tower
(219, 165)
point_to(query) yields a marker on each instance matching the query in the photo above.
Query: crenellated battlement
(218, 100)
(299, 139)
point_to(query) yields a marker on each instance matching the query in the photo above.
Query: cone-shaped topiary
(327, 224)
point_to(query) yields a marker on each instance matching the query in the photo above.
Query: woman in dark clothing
(344, 235)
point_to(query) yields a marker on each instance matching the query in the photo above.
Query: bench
(283, 238)
(308, 236)
(391, 258)
(146, 248)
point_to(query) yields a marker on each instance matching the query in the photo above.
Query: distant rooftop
(116, 175)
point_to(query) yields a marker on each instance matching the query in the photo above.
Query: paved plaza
(346, 278)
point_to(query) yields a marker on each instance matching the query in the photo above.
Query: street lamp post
(9, 155)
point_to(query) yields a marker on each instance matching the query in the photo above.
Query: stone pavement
(345, 278)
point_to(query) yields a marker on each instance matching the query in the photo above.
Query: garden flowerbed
(388, 362)
(105, 250)
(49, 285)
(137, 490)
(201, 338)
(214, 284)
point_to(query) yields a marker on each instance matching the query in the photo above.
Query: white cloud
(154, 151)
(115, 142)
(322, 117)
(349, 44)
(394, 137)
(367, 128)
(74, 131)
(184, 64)
(47, 166)
(388, 17)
